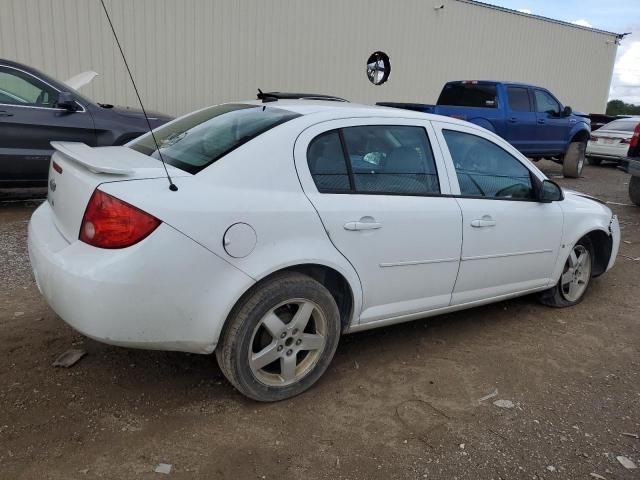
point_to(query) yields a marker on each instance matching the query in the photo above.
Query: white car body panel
(394, 260)
(515, 254)
(175, 289)
(610, 144)
(81, 79)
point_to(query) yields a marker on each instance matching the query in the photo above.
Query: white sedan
(296, 221)
(611, 141)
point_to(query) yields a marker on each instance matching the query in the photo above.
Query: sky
(618, 16)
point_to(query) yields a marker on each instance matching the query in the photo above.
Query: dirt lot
(400, 402)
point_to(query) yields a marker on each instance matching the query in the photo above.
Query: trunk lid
(76, 170)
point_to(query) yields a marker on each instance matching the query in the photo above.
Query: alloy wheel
(576, 274)
(287, 342)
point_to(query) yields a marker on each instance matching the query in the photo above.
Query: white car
(611, 141)
(297, 221)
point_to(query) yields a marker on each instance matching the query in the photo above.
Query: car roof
(339, 110)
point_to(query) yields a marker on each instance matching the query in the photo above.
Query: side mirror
(550, 192)
(567, 111)
(67, 101)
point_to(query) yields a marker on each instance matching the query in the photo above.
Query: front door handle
(485, 221)
(365, 223)
(513, 120)
(541, 121)
(4, 113)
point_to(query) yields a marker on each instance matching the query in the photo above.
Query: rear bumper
(164, 293)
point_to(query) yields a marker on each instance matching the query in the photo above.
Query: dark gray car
(36, 109)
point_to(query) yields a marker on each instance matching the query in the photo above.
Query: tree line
(618, 107)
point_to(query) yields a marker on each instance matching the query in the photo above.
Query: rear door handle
(541, 121)
(4, 113)
(513, 120)
(485, 221)
(365, 223)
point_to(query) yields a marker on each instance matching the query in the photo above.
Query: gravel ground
(397, 403)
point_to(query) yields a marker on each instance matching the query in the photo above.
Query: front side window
(545, 103)
(195, 141)
(518, 99)
(486, 170)
(382, 159)
(18, 88)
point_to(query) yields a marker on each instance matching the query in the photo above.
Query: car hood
(586, 201)
(136, 112)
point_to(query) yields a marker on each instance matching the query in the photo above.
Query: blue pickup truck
(528, 117)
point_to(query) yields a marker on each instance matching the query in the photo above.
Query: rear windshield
(468, 95)
(621, 125)
(195, 141)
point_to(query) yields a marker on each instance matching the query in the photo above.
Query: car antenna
(172, 186)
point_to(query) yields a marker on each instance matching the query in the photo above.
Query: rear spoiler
(89, 157)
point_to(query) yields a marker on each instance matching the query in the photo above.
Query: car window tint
(469, 95)
(327, 163)
(486, 170)
(18, 88)
(518, 99)
(197, 140)
(391, 159)
(545, 102)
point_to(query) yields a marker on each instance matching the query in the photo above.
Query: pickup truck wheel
(575, 278)
(594, 161)
(634, 190)
(574, 159)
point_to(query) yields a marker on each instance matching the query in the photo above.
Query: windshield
(621, 125)
(194, 142)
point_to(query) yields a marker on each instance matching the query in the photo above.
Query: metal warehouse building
(192, 53)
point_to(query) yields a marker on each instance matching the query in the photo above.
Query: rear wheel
(594, 161)
(281, 338)
(573, 162)
(634, 190)
(575, 278)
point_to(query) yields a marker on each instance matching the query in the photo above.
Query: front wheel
(634, 190)
(280, 338)
(573, 162)
(575, 278)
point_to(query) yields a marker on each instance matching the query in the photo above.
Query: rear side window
(486, 170)
(195, 141)
(518, 99)
(469, 95)
(382, 159)
(327, 163)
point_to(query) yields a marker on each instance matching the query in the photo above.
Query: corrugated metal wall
(191, 53)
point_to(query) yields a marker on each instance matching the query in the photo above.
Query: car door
(29, 121)
(511, 241)
(553, 127)
(380, 192)
(521, 119)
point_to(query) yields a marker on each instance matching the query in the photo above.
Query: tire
(268, 325)
(634, 190)
(564, 293)
(573, 162)
(594, 161)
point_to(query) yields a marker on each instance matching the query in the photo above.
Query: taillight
(636, 136)
(111, 223)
